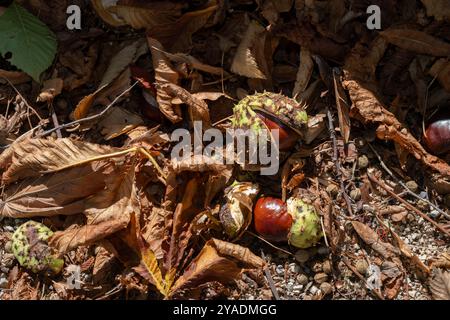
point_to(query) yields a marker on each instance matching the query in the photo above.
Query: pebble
(320, 277)
(302, 256)
(355, 194)
(313, 290)
(8, 246)
(412, 185)
(279, 270)
(361, 266)
(332, 189)
(326, 288)
(3, 283)
(326, 266)
(297, 287)
(363, 162)
(323, 250)
(8, 228)
(317, 267)
(302, 279)
(434, 214)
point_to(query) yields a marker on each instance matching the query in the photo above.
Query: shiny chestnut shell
(437, 136)
(287, 136)
(272, 221)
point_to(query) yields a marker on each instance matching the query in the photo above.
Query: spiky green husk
(30, 247)
(287, 110)
(306, 229)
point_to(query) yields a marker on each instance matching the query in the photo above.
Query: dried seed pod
(272, 111)
(235, 214)
(30, 247)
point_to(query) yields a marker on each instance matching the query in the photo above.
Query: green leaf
(32, 44)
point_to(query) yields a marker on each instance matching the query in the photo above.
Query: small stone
(297, 287)
(434, 214)
(332, 189)
(363, 162)
(313, 290)
(321, 277)
(307, 297)
(326, 288)
(412, 185)
(8, 247)
(326, 266)
(422, 205)
(355, 194)
(279, 270)
(302, 256)
(8, 228)
(302, 279)
(361, 266)
(317, 267)
(3, 283)
(410, 217)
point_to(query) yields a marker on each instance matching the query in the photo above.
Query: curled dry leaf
(304, 72)
(370, 237)
(248, 61)
(218, 261)
(441, 70)
(440, 284)
(368, 109)
(343, 108)
(417, 41)
(164, 74)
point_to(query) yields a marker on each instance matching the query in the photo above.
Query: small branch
(353, 269)
(93, 117)
(270, 279)
(337, 162)
(383, 165)
(407, 204)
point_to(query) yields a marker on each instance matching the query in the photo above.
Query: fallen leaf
(245, 61)
(437, 8)
(417, 41)
(441, 70)
(15, 77)
(343, 108)
(440, 284)
(372, 239)
(117, 122)
(304, 73)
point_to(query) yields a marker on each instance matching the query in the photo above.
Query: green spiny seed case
(306, 229)
(286, 110)
(30, 247)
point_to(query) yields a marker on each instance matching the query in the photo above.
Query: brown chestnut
(287, 136)
(437, 136)
(272, 221)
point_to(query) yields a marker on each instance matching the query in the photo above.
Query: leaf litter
(140, 225)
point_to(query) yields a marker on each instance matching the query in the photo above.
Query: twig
(407, 204)
(270, 244)
(269, 279)
(337, 162)
(93, 117)
(383, 165)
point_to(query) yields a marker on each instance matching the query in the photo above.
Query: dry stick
(337, 162)
(353, 269)
(93, 117)
(384, 166)
(270, 279)
(270, 244)
(407, 204)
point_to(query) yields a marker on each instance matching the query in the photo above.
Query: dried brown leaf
(50, 90)
(15, 77)
(417, 41)
(218, 261)
(441, 70)
(437, 8)
(304, 73)
(117, 122)
(440, 284)
(343, 108)
(370, 237)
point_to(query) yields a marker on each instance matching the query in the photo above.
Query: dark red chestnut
(437, 136)
(287, 136)
(272, 221)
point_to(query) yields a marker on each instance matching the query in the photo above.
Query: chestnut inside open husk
(294, 221)
(437, 133)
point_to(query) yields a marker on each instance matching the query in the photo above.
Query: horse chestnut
(272, 220)
(287, 136)
(437, 136)
(294, 221)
